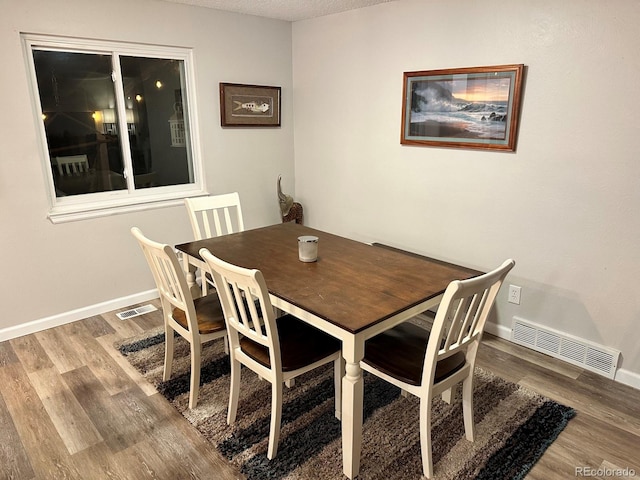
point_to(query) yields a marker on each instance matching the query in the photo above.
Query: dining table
(353, 291)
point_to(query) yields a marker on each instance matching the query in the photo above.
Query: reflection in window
(76, 92)
(153, 93)
(115, 121)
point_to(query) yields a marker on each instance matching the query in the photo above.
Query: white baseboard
(74, 315)
(500, 331)
(626, 377)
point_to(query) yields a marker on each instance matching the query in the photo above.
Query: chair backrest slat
(248, 318)
(475, 313)
(247, 308)
(238, 301)
(169, 276)
(461, 318)
(216, 221)
(215, 215)
(204, 217)
(72, 165)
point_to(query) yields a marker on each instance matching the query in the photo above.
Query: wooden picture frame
(462, 108)
(249, 105)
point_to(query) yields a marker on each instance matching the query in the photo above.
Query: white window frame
(91, 205)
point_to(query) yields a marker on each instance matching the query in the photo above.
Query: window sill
(65, 214)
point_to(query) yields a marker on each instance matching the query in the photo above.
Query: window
(117, 123)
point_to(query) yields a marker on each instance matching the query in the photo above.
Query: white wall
(52, 272)
(564, 206)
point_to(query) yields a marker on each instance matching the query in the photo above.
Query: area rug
(514, 426)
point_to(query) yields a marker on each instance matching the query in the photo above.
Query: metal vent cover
(580, 352)
(134, 312)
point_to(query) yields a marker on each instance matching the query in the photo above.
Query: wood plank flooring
(72, 408)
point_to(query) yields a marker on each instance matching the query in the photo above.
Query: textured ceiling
(290, 10)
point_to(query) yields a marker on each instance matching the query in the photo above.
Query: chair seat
(208, 313)
(400, 351)
(300, 345)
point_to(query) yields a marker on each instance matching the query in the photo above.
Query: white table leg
(190, 271)
(352, 406)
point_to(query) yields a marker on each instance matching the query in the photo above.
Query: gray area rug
(514, 426)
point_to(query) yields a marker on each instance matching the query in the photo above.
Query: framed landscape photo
(249, 105)
(462, 108)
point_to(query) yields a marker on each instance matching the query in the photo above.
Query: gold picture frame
(462, 108)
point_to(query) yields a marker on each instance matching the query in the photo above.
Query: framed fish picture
(249, 105)
(462, 108)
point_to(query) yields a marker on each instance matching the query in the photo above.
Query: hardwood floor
(72, 408)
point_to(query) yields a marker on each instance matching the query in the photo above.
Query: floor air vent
(577, 351)
(134, 312)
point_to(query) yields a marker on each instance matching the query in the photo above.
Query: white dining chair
(198, 321)
(72, 165)
(430, 363)
(278, 349)
(212, 216)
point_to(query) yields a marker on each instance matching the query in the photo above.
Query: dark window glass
(77, 94)
(153, 89)
(84, 126)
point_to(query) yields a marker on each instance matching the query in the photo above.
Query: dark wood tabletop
(352, 285)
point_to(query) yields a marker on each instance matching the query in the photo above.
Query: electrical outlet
(514, 294)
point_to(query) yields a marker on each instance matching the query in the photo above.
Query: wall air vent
(585, 354)
(134, 312)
